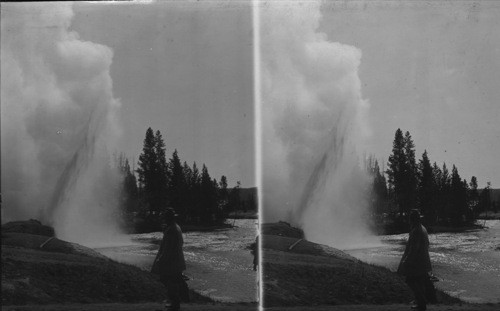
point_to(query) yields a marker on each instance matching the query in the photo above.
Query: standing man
(169, 262)
(255, 253)
(416, 263)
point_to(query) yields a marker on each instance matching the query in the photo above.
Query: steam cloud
(58, 119)
(313, 121)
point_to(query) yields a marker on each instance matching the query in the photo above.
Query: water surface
(467, 264)
(219, 263)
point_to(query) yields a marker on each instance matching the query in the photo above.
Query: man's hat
(415, 214)
(170, 213)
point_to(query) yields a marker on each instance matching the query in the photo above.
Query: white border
(258, 135)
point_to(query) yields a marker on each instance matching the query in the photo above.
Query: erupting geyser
(313, 122)
(58, 120)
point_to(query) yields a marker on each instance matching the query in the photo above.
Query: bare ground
(297, 273)
(63, 272)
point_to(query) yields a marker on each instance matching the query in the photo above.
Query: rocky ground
(42, 273)
(301, 273)
(40, 269)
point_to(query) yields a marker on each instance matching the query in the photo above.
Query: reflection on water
(219, 263)
(468, 264)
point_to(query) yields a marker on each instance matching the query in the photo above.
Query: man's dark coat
(416, 260)
(170, 259)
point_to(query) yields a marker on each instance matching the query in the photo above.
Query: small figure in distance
(169, 262)
(416, 263)
(255, 252)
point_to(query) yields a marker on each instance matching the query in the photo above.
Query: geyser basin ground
(219, 263)
(467, 263)
(63, 272)
(299, 272)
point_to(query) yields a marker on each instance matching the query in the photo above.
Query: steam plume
(312, 124)
(58, 119)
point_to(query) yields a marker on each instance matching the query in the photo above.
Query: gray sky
(184, 69)
(432, 68)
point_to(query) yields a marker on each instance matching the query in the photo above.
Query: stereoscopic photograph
(128, 153)
(380, 140)
(250, 155)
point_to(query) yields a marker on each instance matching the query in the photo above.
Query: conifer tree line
(196, 197)
(442, 197)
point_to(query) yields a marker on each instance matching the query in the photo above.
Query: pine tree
(427, 189)
(130, 189)
(444, 195)
(129, 196)
(176, 185)
(197, 198)
(194, 193)
(396, 170)
(187, 197)
(485, 198)
(188, 172)
(224, 196)
(457, 198)
(219, 208)
(437, 174)
(402, 173)
(410, 173)
(378, 187)
(152, 174)
(146, 171)
(234, 197)
(468, 211)
(162, 172)
(474, 197)
(207, 195)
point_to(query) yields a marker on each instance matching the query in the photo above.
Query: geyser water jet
(313, 123)
(58, 123)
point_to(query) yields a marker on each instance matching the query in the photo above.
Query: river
(219, 263)
(467, 263)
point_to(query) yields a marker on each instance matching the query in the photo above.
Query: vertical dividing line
(258, 135)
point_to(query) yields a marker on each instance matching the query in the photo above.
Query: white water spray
(58, 120)
(313, 121)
